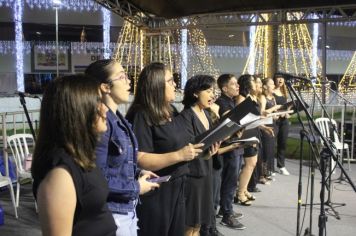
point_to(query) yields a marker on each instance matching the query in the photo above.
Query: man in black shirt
(231, 160)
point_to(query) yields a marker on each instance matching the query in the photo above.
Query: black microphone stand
(328, 202)
(346, 101)
(23, 103)
(304, 134)
(329, 150)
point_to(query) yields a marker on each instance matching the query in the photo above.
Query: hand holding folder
(245, 115)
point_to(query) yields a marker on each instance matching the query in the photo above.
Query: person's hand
(146, 186)
(190, 151)
(277, 107)
(149, 173)
(269, 130)
(240, 133)
(214, 148)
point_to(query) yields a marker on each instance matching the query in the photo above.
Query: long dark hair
(283, 88)
(195, 85)
(150, 95)
(101, 70)
(69, 112)
(245, 84)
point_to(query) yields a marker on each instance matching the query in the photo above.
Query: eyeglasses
(122, 76)
(170, 81)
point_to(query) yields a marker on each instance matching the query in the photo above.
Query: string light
(315, 48)
(18, 10)
(184, 53)
(72, 5)
(106, 32)
(347, 84)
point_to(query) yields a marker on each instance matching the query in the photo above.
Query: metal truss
(232, 19)
(262, 17)
(127, 11)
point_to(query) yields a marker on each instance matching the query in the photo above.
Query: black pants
(229, 177)
(282, 127)
(162, 211)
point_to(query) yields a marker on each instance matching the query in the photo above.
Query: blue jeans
(126, 224)
(229, 177)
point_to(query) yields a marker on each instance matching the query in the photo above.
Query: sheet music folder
(297, 107)
(229, 125)
(217, 134)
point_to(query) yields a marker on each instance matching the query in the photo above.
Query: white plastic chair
(326, 128)
(18, 144)
(6, 181)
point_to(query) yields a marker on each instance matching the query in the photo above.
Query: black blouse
(92, 216)
(200, 166)
(164, 138)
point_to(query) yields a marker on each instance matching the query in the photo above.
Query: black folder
(297, 107)
(218, 133)
(229, 124)
(241, 110)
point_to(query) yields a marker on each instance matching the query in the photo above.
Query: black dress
(162, 211)
(199, 189)
(91, 216)
(268, 141)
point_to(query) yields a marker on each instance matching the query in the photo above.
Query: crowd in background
(97, 172)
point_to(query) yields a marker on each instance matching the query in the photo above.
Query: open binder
(295, 107)
(243, 116)
(244, 142)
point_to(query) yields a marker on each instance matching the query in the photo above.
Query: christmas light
(18, 11)
(72, 5)
(347, 84)
(184, 53)
(315, 48)
(106, 32)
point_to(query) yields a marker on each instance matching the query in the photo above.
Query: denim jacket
(116, 155)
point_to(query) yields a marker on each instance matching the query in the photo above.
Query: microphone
(290, 77)
(22, 94)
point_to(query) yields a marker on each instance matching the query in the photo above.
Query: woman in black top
(70, 190)
(198, 96)
(161, 211)
(268, 106)
(248, 88)
(282, 124)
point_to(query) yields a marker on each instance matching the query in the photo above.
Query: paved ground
(273, 213)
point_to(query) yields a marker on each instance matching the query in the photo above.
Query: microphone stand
(23, 103)
(329, 151)
(346, 101)
(310, 138)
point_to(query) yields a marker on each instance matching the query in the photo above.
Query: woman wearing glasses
(158, 130)
(117, 150)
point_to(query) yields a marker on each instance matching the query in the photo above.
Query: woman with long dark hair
(70, 190)
(117, 150)
(282, 124)
(162, 211)
(198, 96)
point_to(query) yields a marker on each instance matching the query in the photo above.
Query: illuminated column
(315, 49)
(18, 11)
(106, 32)
(271, 53)
(252, 53)
(184, 53)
